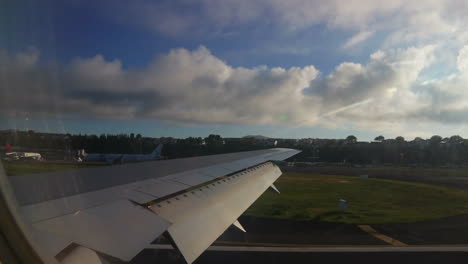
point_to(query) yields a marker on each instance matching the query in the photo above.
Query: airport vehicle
(124, 158)
(116, 211)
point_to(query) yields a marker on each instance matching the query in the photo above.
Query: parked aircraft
(22, 156)
(123, 158)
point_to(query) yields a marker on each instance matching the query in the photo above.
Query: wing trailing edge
(201, 215)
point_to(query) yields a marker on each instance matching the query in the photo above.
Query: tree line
(125, 143)
(433, 151)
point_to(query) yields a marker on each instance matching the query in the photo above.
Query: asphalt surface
(265, 230)
(283, 232)
(282, 241)
(338, 249)
(236, 257)
(448, 230)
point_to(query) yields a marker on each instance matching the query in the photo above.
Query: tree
(214, 140)
(434, 140)
(351, 139)
(400, 139)
(379, 138)
(194, 140)
(456, 139)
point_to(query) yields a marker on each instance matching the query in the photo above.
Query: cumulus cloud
(462, 59)
(440, 103)
(386, 75)
(197, 87)
(182, 85)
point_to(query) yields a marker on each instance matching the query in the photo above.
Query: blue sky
(71, 31)
(190, 68)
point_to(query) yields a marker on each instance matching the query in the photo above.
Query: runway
(317, 254)
(329, 249)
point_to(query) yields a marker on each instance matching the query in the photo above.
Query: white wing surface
(119, 210)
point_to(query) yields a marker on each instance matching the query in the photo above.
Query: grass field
(13, 169)
(370, 201)
(315, 197)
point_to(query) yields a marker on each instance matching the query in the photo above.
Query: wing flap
(200, 216)
(50, 243)
(120, 229)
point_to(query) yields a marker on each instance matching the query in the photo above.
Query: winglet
(274, 188)
(238, 225)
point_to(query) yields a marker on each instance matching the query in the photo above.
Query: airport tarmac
(282, 241)
(449, 230)
(246, 255)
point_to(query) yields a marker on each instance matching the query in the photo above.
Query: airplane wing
(119, 210)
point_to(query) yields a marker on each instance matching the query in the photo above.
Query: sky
(291, 69)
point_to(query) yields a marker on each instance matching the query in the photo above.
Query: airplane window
(346, 120)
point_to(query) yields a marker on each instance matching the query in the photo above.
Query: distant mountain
(256, 137)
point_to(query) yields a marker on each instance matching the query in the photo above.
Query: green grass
(370, 201)
(13, 169)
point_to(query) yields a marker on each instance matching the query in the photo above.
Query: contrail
(341, 109)
(346, 107)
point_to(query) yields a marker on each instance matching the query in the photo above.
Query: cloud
(386, 74)
(462, 59)
(195, 86)
(403, 21)
(182, 85)
(356, 39)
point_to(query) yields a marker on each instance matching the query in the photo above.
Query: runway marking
(458, 248)
(371, 231)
